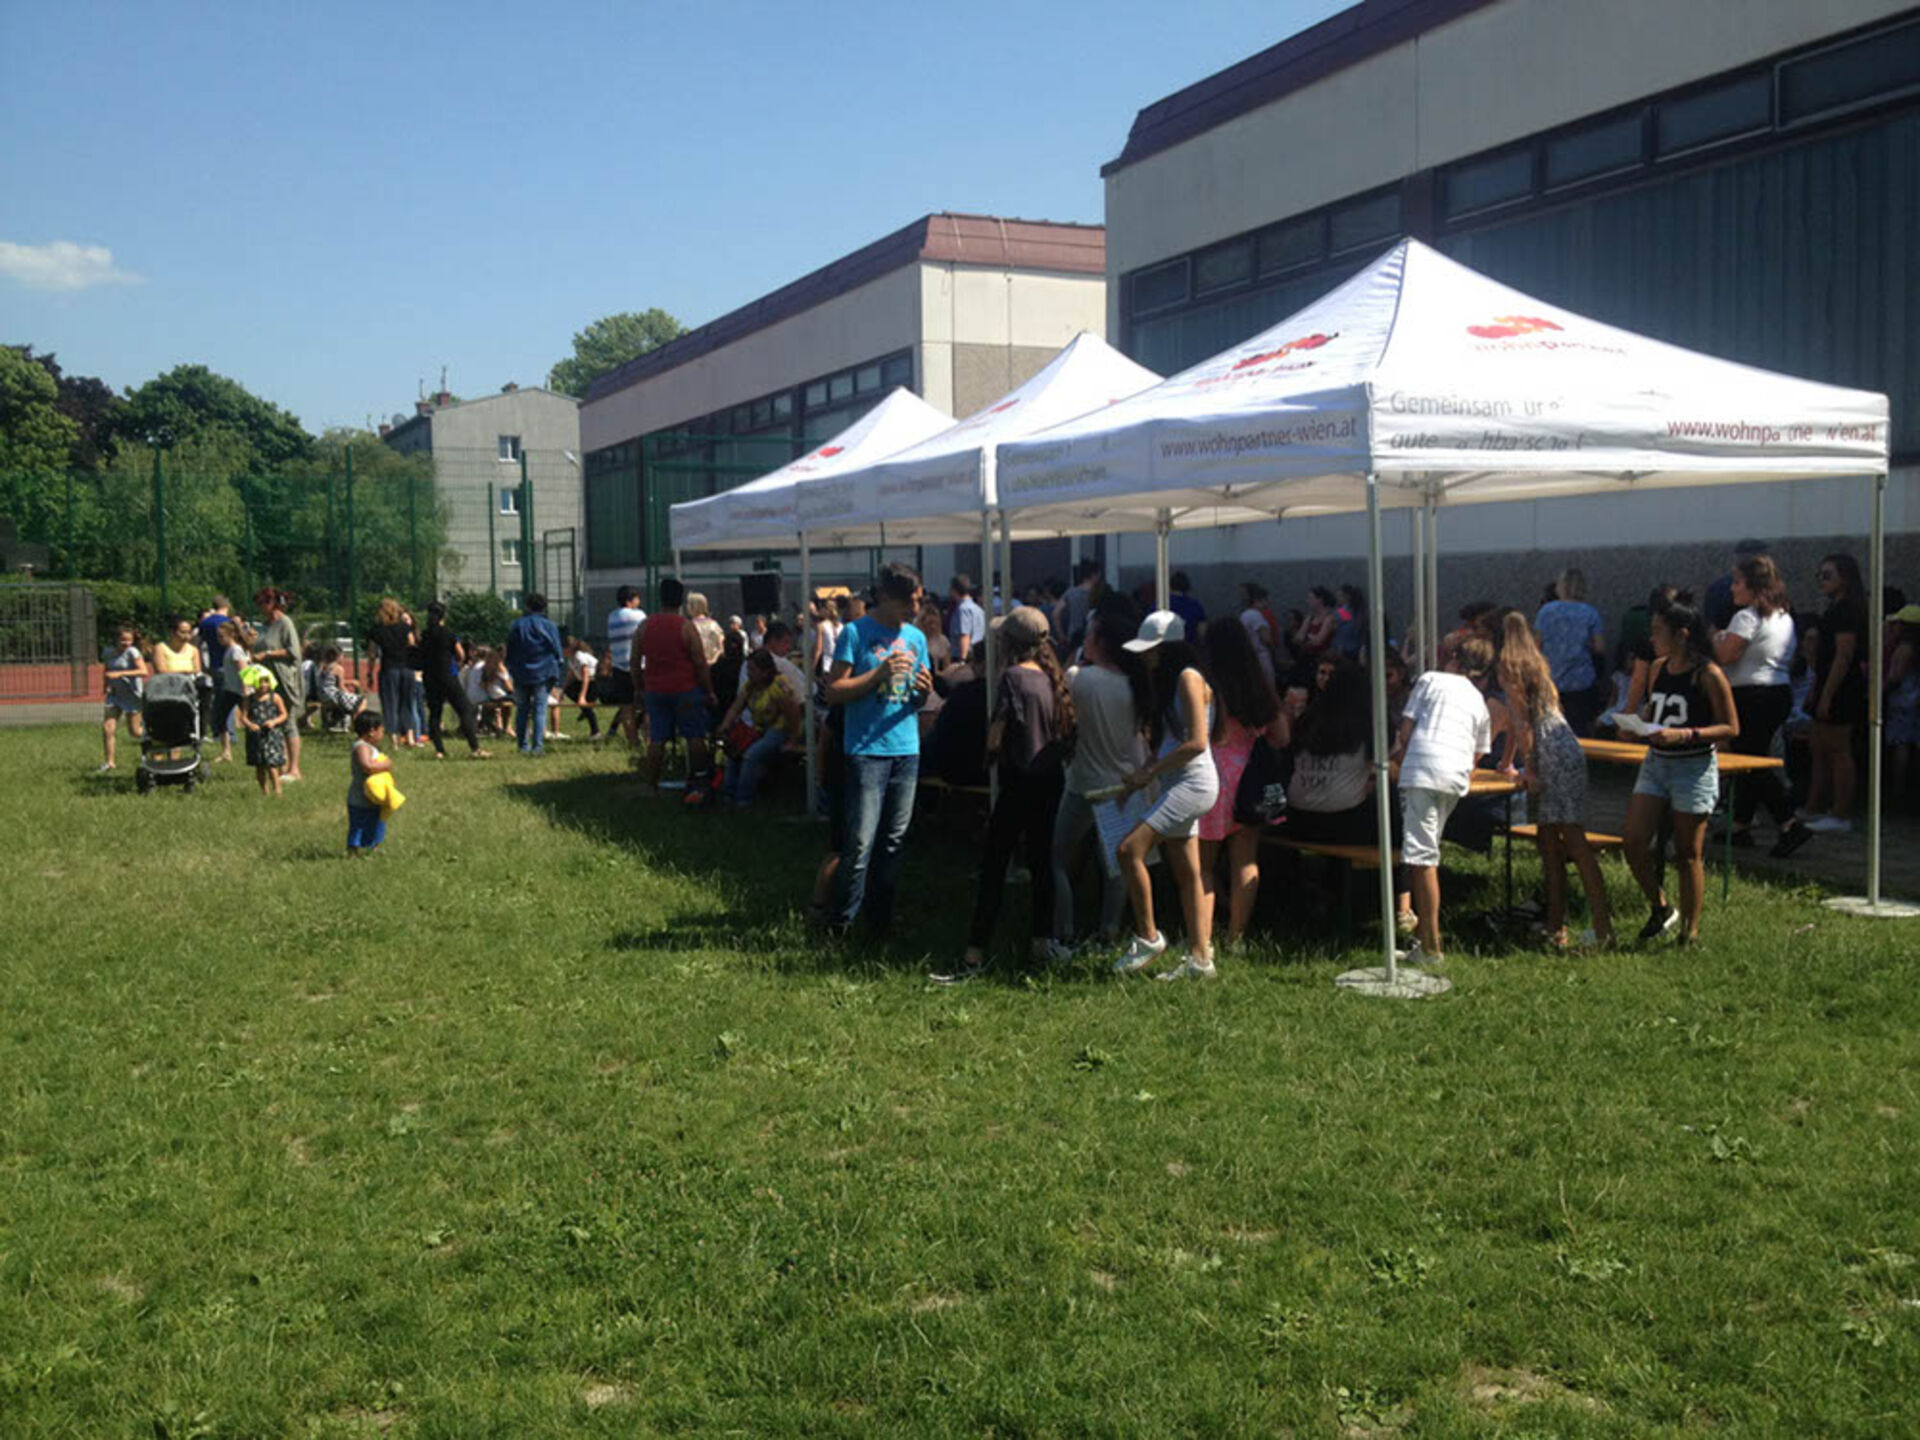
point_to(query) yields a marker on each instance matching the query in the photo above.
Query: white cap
(1159, 626)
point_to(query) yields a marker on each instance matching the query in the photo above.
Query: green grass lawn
(550, 1120)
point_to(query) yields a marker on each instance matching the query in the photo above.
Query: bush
(479, 616)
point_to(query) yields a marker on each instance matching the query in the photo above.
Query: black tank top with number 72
(1679, 702)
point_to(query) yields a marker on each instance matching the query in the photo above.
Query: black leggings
(448, 692)
(581, 694)
(1762, 710)
(1025, 809)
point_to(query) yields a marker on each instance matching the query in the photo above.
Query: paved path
(1838, 861)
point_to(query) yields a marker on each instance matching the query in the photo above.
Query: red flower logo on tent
(827, 452)
(1505, 327)
(1004, 405)
(1305, 342)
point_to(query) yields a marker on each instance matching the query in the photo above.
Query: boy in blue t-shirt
(881, 677)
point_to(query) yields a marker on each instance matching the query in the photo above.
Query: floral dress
(265, 746)
(1562, 767)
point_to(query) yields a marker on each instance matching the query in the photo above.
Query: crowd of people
(1118, 737)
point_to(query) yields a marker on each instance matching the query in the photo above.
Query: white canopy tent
(1421, 383)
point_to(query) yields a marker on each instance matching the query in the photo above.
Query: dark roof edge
(943, 236)
(1335, 44)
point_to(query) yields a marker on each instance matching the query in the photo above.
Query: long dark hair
(1848, 569)
(1680, 616)
(1762, 579)
(1339, 719)
(1239, 684)
(1115, 619)
(1041, 652)
(1173, 656)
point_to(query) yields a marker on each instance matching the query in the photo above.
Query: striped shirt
(621, 625)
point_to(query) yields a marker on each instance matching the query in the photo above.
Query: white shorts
(1424, 814)
(1185, 796)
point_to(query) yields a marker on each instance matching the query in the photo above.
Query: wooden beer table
(1732, 767)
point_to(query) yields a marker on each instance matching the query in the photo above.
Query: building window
(1160, 288)
(510, 552)
(1881, 66)
(509, 499)
(1223, 267)
(1603, 149)
(510, 448)
(1296, 243)
(512, 597)
(1483, 184)
(1364, 222)
(1706, 117)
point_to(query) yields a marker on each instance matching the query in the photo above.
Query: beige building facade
(958, 308)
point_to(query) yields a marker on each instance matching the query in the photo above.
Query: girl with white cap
(1183, 720)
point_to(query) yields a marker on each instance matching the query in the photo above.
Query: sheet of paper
(1629, 723)
(1116, 819)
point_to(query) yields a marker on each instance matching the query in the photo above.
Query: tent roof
(938, 489)
(763, 509)
(1445, 383)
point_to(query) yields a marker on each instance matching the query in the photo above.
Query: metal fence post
(333, 552)
(246, 516)
(529, 579)
(493, 547)
(160, 530)
(352, 580)
(67, 557)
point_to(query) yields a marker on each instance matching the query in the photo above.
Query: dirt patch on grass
(379, 1421)
(603, 1394)
(297, 1150)
(1242, 1236)
(120, 1288)
(927, 1304)
(1105, 1279)
(1177, 1169)
(1491, 1388)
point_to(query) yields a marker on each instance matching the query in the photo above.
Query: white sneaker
(1418, 958)
(104, 769)
(1190, 969)
(1829, 825)
(1139, 954)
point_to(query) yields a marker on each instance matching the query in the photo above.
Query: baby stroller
(170, 746)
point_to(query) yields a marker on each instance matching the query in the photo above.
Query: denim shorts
(683, 713)
(1689, 783)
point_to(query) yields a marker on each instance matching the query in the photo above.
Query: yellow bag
(383, 792)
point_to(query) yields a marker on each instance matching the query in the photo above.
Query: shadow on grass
(755, 867)
(756, 870)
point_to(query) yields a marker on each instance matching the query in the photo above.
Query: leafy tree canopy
(609, 343)
(35, 438)
(86, 400)
(191, 402)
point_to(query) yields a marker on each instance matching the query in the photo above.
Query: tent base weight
(1882, 910)
(1407, 984)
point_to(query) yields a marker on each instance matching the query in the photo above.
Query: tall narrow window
(510, 448)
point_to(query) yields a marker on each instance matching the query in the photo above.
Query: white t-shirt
(829, 633)
(475, 682)
(1262, 649)
(1768, 658)
(583, 664)
(622, 624)
(1451, 729)
(1328, 784)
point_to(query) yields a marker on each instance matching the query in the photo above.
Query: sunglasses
(1827, 573)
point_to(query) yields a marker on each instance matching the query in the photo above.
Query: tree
(191, 402)
(609, 343)
(35, 443)
(86, 400)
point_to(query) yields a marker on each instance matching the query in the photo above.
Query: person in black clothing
(955, 751)
(393, 641)
(1839, 697)
(1031, 736)
(441, 656)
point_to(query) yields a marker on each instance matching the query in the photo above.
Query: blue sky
(330, 202)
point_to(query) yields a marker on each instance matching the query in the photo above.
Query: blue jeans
(880, 791)
(744, 774)
(531, 697)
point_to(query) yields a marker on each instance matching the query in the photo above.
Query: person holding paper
(1689, 712)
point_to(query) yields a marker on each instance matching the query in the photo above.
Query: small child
(263, 714)
(366, 826)
(1445, 731)
(126, 672)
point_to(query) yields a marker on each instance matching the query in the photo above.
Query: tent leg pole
(1876, 721)
(993, 679)
(1433, 582)
(1388, 980)
(1007, 600)
(807, 633)
(1417, 531)
(1162, 526)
